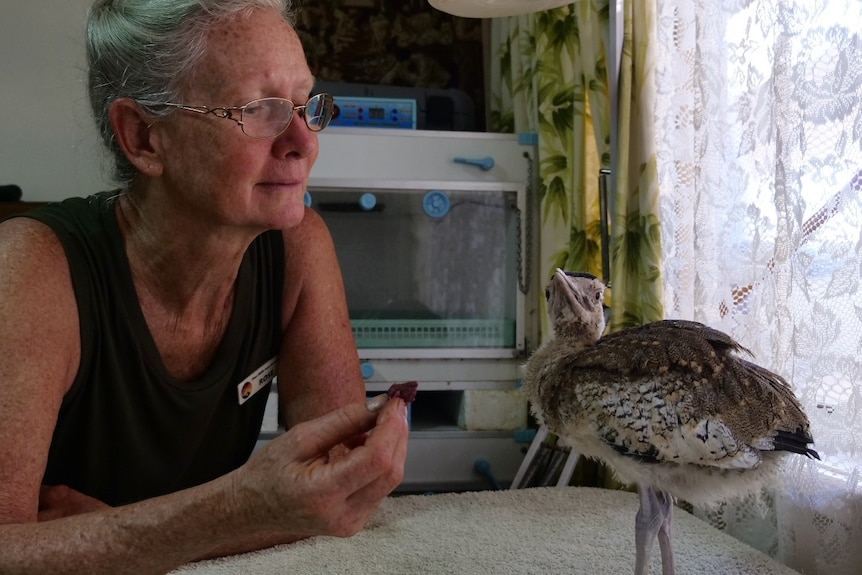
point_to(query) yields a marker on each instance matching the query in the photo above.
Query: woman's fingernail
(377, 402)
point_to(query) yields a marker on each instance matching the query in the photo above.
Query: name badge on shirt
(257, 380)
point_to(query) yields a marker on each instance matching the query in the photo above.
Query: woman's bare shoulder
(30, 248)
(38, 311)
(309, 231)
(313, 275)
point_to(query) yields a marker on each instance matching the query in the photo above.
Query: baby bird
(670, 406)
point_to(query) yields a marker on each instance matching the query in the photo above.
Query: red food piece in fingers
(406, 391)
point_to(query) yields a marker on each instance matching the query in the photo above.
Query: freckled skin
(251, 182)
(203, 192)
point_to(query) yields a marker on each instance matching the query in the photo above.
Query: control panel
(374, 112)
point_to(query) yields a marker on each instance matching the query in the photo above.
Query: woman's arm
(39, 356)
(318, 367)
(289, 489)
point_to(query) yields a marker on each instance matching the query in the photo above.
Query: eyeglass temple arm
(217, 112)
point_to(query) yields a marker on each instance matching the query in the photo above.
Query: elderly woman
(140, 329)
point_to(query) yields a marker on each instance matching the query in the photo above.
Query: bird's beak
(564, 289)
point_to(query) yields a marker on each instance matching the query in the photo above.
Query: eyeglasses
(269, 117)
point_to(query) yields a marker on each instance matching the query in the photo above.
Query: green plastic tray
(433, 333)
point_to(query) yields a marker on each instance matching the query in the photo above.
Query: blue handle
(485, 163)
(483, 468)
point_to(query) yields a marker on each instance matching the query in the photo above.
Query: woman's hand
(292, 485)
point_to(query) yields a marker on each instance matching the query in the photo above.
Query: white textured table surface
(546, 531)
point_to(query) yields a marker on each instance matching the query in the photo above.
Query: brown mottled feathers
(675, 394)
(658, 346)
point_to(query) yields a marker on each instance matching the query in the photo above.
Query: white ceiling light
(494, 8)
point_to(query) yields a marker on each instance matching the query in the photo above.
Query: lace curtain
(759, 141)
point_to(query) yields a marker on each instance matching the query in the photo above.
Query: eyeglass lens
(269, 117)
(318, 112)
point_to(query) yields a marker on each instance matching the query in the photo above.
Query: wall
(48, 142)
(395, 43)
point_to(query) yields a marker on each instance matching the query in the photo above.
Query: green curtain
(635, 220)
(549, 75)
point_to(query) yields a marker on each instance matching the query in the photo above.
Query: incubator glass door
(427, 268)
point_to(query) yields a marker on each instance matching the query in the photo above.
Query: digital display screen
(375, 112)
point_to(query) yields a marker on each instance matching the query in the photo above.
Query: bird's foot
(653, 520)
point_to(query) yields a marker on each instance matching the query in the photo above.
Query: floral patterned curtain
(549, 75)
(759, 135)
(635, 225)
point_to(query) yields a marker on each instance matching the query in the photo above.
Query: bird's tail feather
(795, 442)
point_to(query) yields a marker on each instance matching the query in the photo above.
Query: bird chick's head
(576, 306)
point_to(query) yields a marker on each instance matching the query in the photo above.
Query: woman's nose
(297, 139)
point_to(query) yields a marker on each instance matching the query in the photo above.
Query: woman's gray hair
(147, 50)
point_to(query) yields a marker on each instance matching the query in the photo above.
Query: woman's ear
(132, 131)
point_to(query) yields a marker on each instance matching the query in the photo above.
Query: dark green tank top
(127, 430)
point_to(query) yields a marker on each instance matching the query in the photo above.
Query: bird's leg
(665, 534)
(653, 520)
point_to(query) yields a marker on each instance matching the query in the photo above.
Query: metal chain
(524, 262)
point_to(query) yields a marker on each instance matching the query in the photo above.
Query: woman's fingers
(372, 471)
(294, 479)
(380, 458)
(391, 475)
(317, 437)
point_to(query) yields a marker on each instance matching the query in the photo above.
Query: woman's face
(210, 166)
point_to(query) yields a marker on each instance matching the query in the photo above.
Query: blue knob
(307, 199)
(436, 203)
(367, 370)
(485, 163)
(367, 201)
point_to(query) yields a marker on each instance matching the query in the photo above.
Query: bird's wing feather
(657, 347)
(655, 419)
(670, 391)
(792, 431)
(708, 442)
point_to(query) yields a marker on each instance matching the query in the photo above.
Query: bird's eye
(598, 296)
(547, 295)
